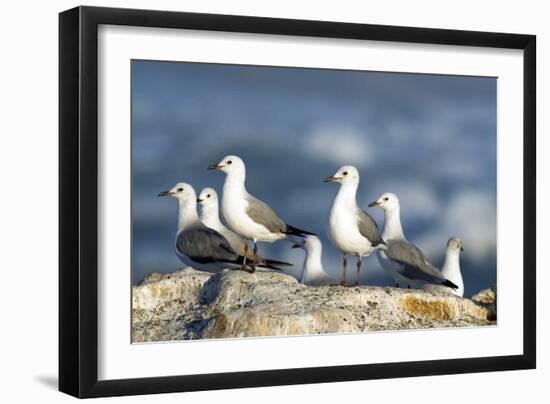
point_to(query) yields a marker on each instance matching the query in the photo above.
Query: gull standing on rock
(197, 245)
(393, 231)
(313, 273)
(403, 260)
(351, 230)
(208, 200)
(246, 215)
(451, 266)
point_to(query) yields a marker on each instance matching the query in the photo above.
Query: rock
(163, 304)
(190, 305)
(488, 299)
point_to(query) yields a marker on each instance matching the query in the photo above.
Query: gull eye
(386, 198)
(208, 196)
(180, 189)
(229, 162)
(345, 173)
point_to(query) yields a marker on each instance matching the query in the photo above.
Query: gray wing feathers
(205, 244)
(262, 214)
(415, 265)
(368, 228)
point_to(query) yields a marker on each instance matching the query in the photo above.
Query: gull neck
(234, 181)
(347, 195)
(210, 216)
(392, 224)
(452, 262)
(187, 215)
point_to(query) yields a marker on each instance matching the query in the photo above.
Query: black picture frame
(78, 201)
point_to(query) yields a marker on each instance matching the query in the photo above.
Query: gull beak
(199, 200)
(331, 178)
(461, 248)
(166, 193)
(374, 204)
(216, 166)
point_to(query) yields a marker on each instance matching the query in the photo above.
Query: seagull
(208, 200)
(403, 260)
(451, 266)
(197, 245)
(393, 231)
(246, 215)
(313, 273)
(351, 230)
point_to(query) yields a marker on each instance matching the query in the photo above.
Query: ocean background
(431, 139)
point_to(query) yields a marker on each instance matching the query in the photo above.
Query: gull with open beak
(405, 262)
(246, 215)
(197, 245)
(350, 229)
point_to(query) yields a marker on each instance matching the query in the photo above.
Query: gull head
(309, 243)
(454, 244)
(344, 175)
(229, 165)
(181, 191)
(207, 197)
(387, 201)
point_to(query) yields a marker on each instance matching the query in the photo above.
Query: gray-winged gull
(209, 215)
(313, 273)
(246, 215)
(403, 260)
(392, 231)
(197, 245)
(350, 229)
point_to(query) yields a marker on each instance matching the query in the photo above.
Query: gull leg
(343, 280)
(244, 257)
(358, 270)
(254, 257)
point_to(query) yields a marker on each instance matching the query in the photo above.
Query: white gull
(313, 273)
(246, 215)
(350, 229)
(197, 245)
(209, 214)
(393, 231)
(451, 268)
(404, 261)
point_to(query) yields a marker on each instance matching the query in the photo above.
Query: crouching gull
(451, 267)
(246, 215)
(350, 229)
(208, 200)
(197, 245)
(313, 273)
(403, 260)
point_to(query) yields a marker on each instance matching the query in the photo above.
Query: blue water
(431, 139)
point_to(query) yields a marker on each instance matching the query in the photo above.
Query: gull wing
(415, 264)
(262, 214)
(368, 228)
(205, 245)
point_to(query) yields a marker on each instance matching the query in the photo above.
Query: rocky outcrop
(488, 299)
(191, 305)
